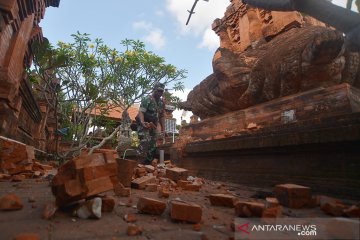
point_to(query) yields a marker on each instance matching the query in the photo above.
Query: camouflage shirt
(152, 109)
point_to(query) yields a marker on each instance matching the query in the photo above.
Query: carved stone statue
(265, 55)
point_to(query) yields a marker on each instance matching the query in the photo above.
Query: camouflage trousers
(147, 146)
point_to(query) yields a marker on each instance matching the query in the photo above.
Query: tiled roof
(115, 113)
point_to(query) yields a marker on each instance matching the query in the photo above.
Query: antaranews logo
(296, 228)
(301, 230)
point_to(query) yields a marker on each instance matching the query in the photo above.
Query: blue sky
(160, 24)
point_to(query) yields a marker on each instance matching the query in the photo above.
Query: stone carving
(265, 55)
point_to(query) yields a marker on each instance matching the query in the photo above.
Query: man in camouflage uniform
(151, 113)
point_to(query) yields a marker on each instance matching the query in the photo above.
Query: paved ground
(215, 220)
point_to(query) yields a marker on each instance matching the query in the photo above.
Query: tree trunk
(104, 140)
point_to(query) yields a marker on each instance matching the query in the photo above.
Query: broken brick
(192, 187)
(49, 210)
(10, 202)
(125, 171)
(183, 183)
(133, 230)
(151, 206)
(185, 211)
(271, 202)
(292, 195)
(197, 227)
(108, 204)
(140, 183)
(176, 173)
(130, 217)
(149, 168)
(151, 187)
(121, 191)
(251, 126)
(163, 193)
(140, 172)
(272, 212)
(352, 212)
(5, 176)
(27, 236)
(18, 178)
(222, 200)
(249, 209)
(333, 208)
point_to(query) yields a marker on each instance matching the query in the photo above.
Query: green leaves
(94, 77)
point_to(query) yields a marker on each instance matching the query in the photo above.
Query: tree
(94, 78)
(132, 74)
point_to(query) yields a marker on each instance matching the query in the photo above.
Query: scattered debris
(185, 211)
(150, 206)
(27, 236)
(90, 209)
(292, 195)
(133, 230)
(49, 210)
(222, 200)
(249, 209)
(10, 202)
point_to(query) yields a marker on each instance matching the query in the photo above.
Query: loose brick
(49, 210)
(176, 173)
(192, 187)
(27, 236)
(151, 187)
(183, 183)
(292, 195)
(140, 172)
(272, 212)
(121, 191)
(140, 183)
(249, 209)
(108, 204)
(125, 171)
(222, 200)
(130, 218)
(151, 206)
(133, 230)
(163, 193)
(333, 208)
(149, 168)
(353, 211)
(185, 211)
(18, 178)
(10, 202)
(98, 185)
(271, 202)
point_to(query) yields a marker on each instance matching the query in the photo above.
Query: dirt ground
(216, 221)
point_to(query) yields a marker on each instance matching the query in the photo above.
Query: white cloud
(180, 114)
(142, 25)
(154, 35)
(200, 22)
(210, 40)
(156, 38)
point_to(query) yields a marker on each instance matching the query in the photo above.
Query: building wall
(20, 115)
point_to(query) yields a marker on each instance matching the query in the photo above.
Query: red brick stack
(85, 176)
(18, 160)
